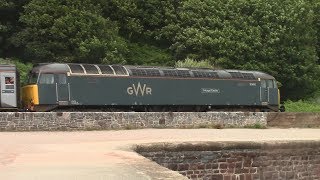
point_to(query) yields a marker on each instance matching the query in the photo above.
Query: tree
(273, 36)
(316, 5)
(69, 31)
(5, 26)
(9, 16)
(146, 21)
(141, 22)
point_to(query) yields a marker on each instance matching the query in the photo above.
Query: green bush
(188, 62)
(145, 54)
(302, 106)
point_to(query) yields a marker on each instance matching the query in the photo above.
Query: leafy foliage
(258, 35)
(194, 64)
(9, 15)
(316, 6)
(144, 54)
(69, 31)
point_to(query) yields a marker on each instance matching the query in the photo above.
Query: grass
(209, 126)
(130, 127)
(221, 126)
(255, 126)
(302, 106)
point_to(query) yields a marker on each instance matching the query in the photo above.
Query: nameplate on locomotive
(210, 91)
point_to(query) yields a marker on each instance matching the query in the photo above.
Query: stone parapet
(65, 121)
(294, 120)
(54, 121)
(238, 160)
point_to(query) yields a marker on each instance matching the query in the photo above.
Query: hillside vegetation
(279, 37)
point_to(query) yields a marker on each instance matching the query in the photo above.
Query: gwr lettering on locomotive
(139, 90)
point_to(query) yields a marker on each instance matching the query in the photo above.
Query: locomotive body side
(61, 87)
(130, 91)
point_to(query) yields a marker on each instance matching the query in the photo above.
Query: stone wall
(240, 161)
(293, 120)
(27, 121)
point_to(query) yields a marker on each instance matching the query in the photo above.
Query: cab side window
(275, 84)
(46, 79)
(270, 84)
(267, 84)
(61, 79)
(263, 83)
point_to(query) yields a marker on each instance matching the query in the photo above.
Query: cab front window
(33, 78)
(46, 79)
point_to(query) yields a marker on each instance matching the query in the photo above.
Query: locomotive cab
(269, 94)
(30, 95)
(47, 87)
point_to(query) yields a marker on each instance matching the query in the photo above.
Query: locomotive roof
(147, 71)
(7, 67)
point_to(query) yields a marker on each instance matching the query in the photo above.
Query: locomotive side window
(263, 84)
(62, 79)
(76, 68)
(90, 69)
(270, 83)
(46, 79)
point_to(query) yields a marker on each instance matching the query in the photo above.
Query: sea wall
(239, 160)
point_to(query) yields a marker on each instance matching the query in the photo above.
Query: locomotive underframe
(154, 108)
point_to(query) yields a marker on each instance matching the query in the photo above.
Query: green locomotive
(138, 88)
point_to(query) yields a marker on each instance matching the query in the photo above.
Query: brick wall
(241, 161)
(26, 121)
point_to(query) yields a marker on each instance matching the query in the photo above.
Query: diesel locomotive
(54, 86)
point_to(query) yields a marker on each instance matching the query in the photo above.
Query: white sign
(210, 91)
